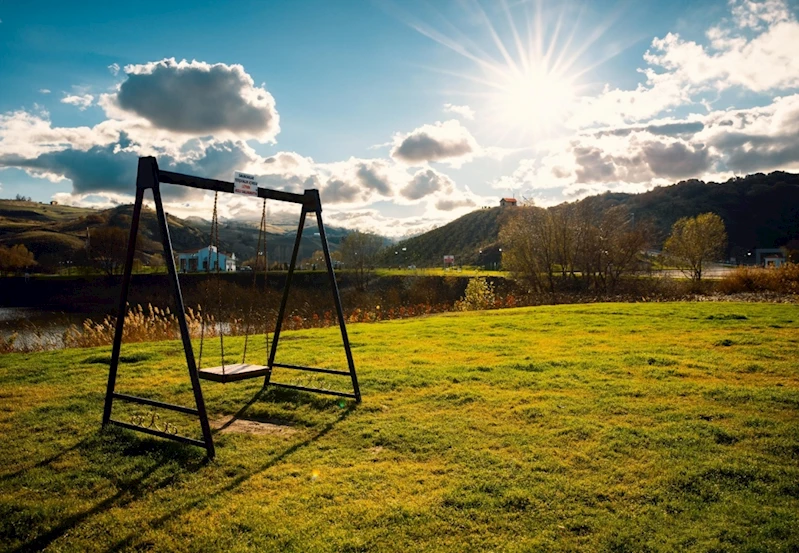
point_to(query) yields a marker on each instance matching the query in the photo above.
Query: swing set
(150, 177)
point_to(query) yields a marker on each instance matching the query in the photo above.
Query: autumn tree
(15, 258)
(107, 248)
(359, 251)
(695, 241)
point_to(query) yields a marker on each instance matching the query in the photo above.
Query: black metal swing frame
(150, 177)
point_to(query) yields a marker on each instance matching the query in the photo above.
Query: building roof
(510, 200)
(204, 248)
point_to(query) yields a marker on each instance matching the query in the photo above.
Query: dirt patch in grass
(250, 426)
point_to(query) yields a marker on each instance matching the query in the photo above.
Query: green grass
(427, 271)
(606, 427)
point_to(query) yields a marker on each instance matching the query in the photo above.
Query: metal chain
(261, 234)
(215, 242)
(205, 295)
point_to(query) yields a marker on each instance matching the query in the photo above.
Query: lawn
(428, 271)
(604, 427)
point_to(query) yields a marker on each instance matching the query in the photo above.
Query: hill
(759, 211)
(465, 238)
(56, 233)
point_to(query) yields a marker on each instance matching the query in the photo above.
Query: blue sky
(404, 114)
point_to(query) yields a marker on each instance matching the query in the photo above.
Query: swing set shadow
(151, 177)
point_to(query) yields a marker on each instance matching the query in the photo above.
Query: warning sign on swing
(245, 184)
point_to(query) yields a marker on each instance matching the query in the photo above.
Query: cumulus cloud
(757, 139)
(360, 180)
(215, 159)
(665, 128)
(28, 135)
(426, 182)
(81, 101)
(196, 98)
(448, 141)
(754, 15)
(464, 111)
(716, 146)
(676, 160)
(753, 51)
(100, 168)
(114, 69)
(450, 204)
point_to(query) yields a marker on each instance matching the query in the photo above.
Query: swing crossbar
(315, 390)
(154, 403)
(159, 433)
(168, 177)
(232, 373)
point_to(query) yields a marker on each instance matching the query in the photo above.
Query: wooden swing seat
(232, 373)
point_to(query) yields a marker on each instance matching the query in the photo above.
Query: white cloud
(464, 111)
(449, 142)
(753, 52)
(195, 99)
(426, 182)
(29, 135)
(757, 139)
(44, 91)
(114, 69)
(81, 101)
(755, 15)
(715, 147)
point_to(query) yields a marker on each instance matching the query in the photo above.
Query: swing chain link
(258, 253)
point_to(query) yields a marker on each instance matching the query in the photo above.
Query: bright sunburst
(528, 72)
(533, 101)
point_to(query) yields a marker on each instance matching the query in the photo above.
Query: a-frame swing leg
(284, 301)
(313, 200)
(339, 310)
(148, 178)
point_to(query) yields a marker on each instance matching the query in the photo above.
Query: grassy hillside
(759, 211)
(59, 232)
(605, 427)
(464, 238)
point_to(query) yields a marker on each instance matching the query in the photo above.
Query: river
(37, 327)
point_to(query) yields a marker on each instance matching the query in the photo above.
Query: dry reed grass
(782, 280)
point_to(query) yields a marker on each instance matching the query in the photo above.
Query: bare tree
(359, 251)
(584, 247)
(529, 247)
(108, 248)
(694, 241)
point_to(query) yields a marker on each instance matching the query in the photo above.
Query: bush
(479, 295)
(784, 280)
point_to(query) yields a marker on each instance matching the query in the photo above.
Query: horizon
(403, 116)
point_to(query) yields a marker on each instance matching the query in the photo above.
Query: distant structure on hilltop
(505, 202)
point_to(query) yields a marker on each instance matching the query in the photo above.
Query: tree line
(576, 247)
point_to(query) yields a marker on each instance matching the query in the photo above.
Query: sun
(530, 61)
(531, 101)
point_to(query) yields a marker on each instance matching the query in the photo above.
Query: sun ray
(529, 59)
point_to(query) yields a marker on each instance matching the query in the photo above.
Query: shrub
(783, 280)
(479, 295)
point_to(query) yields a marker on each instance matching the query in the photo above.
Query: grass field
(605, 427)
(427, 271)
